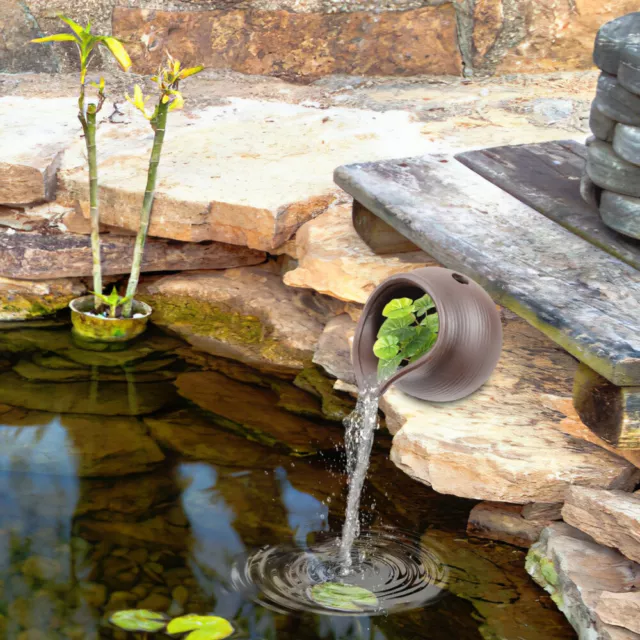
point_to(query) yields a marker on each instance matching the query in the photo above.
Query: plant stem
(93, 200)
(145, 215)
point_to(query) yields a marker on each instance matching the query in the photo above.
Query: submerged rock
(93, 397)
(334, 260)
(584, 577)
(39, 442)
(243, 314)
(253, 412)
(505, 442)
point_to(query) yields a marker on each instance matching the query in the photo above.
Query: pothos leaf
(432, 322)
(424, 304)
(386, 347)
(420, 345)
(391, 325)
(386, 368)
(398, 308)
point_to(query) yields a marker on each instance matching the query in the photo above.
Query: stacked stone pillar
(612, 178)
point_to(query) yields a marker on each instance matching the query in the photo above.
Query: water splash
(360, 431)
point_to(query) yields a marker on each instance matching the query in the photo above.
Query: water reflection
(118, 493)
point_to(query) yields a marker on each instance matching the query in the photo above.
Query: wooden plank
(547, 177)
(611, 412)
(379, 236)
(584, 299)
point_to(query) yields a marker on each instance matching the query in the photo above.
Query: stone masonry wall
(307, 39)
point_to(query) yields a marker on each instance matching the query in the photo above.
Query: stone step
(43, 256)
(247, 173)
(515, 440)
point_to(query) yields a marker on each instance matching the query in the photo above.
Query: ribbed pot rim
(73, 305)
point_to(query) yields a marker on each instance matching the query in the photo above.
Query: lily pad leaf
(386, 347)
(398, 308)
(203, 627)
(139, 620)
(424, 304)
(343, 597)
(386, 368)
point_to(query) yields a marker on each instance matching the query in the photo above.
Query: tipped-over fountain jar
(466, 350)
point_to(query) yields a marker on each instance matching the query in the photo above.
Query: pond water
(144, 478)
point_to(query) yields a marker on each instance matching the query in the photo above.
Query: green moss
(26, 307)
(548, 571)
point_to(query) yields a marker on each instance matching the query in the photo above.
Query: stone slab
(334, 348)
(296, 45)
(506, 442)
(334, 260)
(35, 133)
(611, 518)
(584, 299)
(577, 573)
(245, 314)
(249, 173)
(546, 177)
(43, 256)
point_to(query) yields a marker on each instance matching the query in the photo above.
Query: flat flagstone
(34, 135)
(247, 173)
(506, 441)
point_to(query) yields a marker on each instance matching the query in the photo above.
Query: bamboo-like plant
(87, 114)
(170, 98)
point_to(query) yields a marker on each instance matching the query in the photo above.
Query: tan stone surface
(245, 314)
(620, 609)
(332, 259)
(247, 173)
(42, 256)
(559, 34)
(505, 523)
(296, 45)
(611, 518)
(488, 16)
(33, 136)
(334, 348)
(25, 299)
(503, 443)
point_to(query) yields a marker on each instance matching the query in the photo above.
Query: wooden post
(611, 412)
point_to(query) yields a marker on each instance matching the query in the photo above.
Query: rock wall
(308, 39)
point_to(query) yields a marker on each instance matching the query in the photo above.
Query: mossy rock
(335, 405)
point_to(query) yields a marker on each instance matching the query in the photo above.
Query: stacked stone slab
(612, 178)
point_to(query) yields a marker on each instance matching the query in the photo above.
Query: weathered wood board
(611, 412)
(584, 299)
(547, 177)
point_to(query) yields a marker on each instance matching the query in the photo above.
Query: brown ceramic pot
(469, 339)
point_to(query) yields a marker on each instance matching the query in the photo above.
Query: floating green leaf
(202, 627)
(424, 304)
(398, 308)
(139, 620)
(343, 597)
(386, 347)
